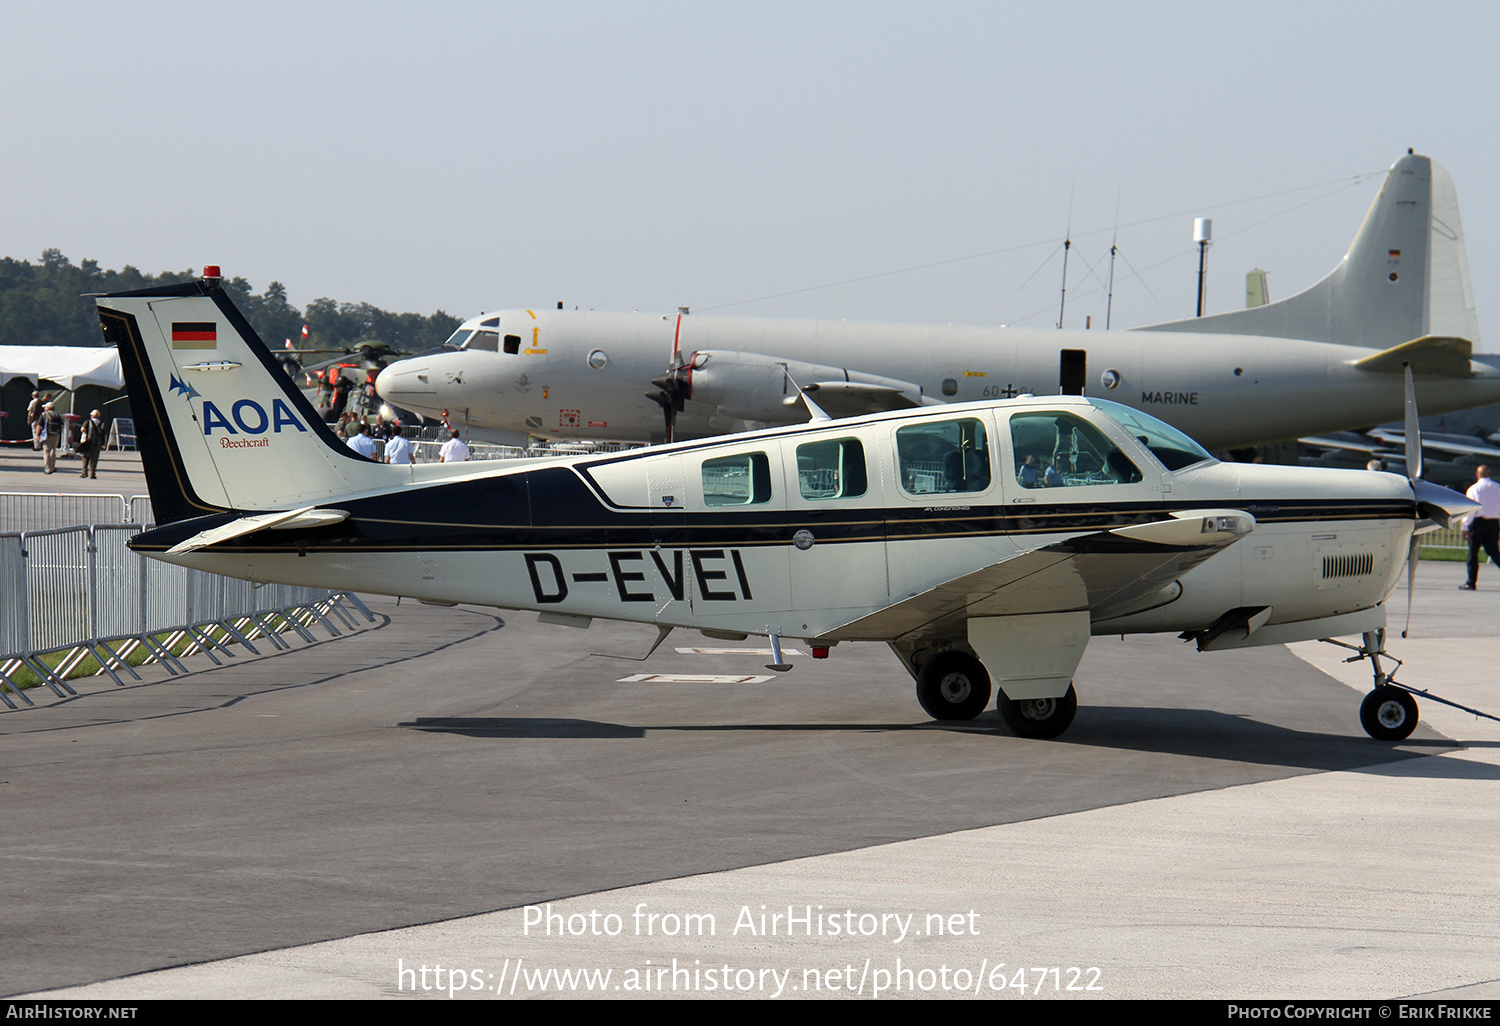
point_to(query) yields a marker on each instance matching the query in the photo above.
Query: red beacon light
(211, 273)
(820, 651)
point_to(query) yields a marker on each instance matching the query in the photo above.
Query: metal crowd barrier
(1445, 538)
(76, 593)
(40, 511)
(428, 451)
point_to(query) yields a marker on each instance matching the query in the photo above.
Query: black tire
(953, 686)
(1388, 714)
(1040, 718)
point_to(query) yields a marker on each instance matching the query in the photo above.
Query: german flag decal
(195, 335)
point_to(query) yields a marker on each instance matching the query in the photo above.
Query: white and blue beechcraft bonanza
(977, 539)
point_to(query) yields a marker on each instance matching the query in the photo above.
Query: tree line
(42, 304)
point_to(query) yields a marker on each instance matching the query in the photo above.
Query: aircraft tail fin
(1405, 276)
(220, 425)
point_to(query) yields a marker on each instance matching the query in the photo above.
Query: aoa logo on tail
(250, 417)
(246, 416)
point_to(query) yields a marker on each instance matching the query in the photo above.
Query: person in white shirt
(454, 450)
(397, 450)
(1483, 525)
(363, 444)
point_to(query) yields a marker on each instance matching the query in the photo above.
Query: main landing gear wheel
(1388, 714)
(953, 686)
(1039, 718)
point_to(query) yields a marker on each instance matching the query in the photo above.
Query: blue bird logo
(178, 385)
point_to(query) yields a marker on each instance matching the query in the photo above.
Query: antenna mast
(1067, 245)
(1114, 238)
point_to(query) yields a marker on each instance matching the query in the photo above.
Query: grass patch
(89, 666)
(1448, 555)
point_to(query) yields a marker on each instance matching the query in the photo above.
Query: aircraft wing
(1358, 444)
(1099, 573)
(1440, 444)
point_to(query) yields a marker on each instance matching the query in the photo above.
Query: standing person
(454, 450)
(1483, 525)
(397, 449)
(91, 440)
(52, 436)
(362, 443)
(33, 415)
(340, 390)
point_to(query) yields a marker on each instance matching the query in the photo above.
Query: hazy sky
(619, 155)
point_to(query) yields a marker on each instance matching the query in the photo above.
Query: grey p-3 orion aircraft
(1327, 359)
(978, 540)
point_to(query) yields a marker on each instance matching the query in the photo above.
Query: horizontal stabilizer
(1444, 355)
(297, 518)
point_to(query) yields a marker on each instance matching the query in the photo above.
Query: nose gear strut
(1389, 711)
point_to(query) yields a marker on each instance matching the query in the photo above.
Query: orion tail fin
(220, 425)
(1406, 275)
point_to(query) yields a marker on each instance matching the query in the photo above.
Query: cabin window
(485, 341)
(512, 344)
(834, 469)
(948, 456)
(742, 480)
(950, 386)
(1054, 450)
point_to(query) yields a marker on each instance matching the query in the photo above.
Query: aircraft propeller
(1434, 502)
(676, 388)
(1414, 475)
(371, 356)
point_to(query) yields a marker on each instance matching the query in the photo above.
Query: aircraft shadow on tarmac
(1191, 733)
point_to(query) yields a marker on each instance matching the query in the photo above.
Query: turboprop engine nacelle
(756, 387)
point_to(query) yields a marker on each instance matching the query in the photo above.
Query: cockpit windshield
(1175, 449)
(488, 341)
(458, 338)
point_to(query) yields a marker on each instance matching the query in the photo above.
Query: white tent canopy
(69, 366)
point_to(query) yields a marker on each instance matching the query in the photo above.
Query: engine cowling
(756, 387)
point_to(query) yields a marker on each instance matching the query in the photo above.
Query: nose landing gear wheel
(1388, 714)
(1039, 718)
(953, 686)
